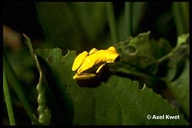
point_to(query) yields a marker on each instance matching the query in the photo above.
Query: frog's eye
(131, 50)
(117, 58)
(113, 58)
(112, 49)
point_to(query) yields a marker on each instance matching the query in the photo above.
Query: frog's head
(112, 55)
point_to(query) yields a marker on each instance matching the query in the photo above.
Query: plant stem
(178, 18)
(44, 113)
(111, 19)
(185, 14)
(19, 91)
(8, 100)
(128, 18)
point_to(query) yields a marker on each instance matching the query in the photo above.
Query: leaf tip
(144, 86)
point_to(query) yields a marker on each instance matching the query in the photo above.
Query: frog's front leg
(99, 69)
(84, 76)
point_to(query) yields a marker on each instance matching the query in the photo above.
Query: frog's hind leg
(93, 50)
(79, 60)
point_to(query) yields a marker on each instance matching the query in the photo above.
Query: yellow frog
(88, 65)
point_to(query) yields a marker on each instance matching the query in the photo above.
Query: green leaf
(8, 100)
(141, 53)
(117, 101)
(178, 74)
(180, 89)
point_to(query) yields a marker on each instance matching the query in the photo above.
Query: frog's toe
(93, 50)
(84, 76)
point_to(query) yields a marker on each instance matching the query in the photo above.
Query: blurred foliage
(81, 26)
(82, 23)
